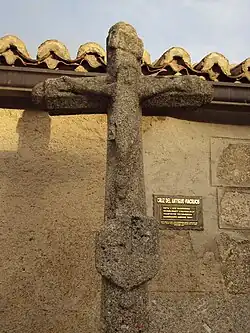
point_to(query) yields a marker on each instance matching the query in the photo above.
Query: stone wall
(52, 190)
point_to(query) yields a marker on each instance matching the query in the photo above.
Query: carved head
(123, 36)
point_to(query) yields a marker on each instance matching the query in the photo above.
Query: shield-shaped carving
(127, 251)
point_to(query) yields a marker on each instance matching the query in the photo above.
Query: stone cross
(127, 247)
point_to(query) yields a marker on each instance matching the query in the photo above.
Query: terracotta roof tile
(91, 57)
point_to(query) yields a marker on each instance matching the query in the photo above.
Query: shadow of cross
(127, 248)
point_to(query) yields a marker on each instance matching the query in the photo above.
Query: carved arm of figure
(174, 91)
(73, 93)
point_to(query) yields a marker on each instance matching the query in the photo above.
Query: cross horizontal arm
(174, 92)
(90, 85)
(72, 93)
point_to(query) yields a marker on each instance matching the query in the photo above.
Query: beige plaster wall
(51, 204)
(52, 173)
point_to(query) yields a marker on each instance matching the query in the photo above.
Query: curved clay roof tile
(207, 63)
(246, 66)
(242, 68)
(93, 60)
(10, 57)
(146, 58)
(82, 69)
(172, 53)
(92, 48)
(52, 46)
(9, 41)
(92, 57)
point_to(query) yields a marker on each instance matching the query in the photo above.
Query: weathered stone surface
(234, 164)
(126, 254)
(235, 262)
(199, 313)
(230, 162)
(122, 36)
(209, 270)
(234, 208)
(187, 92)
(125, 193)
(124, 311)
(191, 312)
(240, 305)
(127, 251)
(64, 94)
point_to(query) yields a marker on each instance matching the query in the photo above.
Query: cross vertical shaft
(125, 192)
(124, 305)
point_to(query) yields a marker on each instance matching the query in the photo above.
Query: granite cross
(127, 248)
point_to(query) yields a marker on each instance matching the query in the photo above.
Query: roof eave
(231, 102)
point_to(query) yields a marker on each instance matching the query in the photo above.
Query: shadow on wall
(48, 281)
(34, 132)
